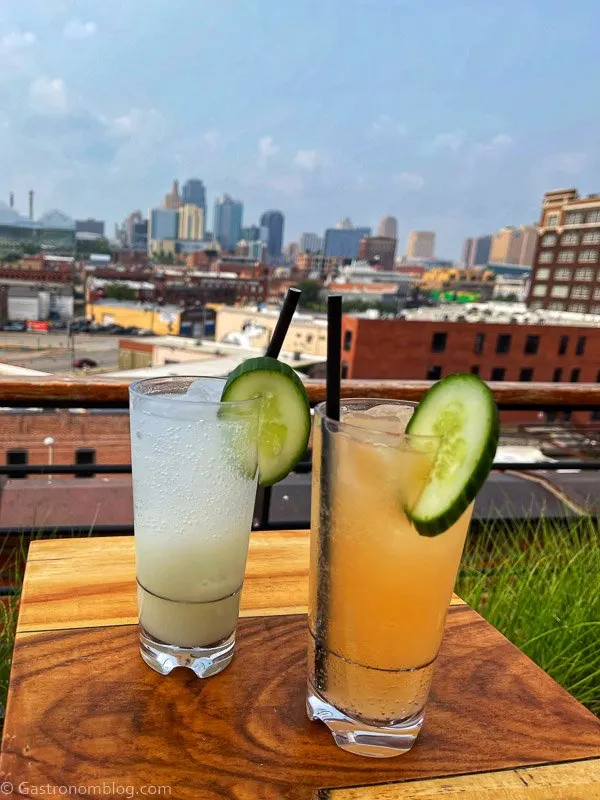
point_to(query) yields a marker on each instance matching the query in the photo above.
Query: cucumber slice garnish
(284, 424)
(461, 409)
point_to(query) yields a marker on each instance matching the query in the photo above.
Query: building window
(577, 308)
(575, 372)
(582, 292)
(563, 274)
(526, 374)
(557, 375)
(566, 257)
(569, 238)
(559, 291)
(16, 456)
(591, 237)
(593, 217)
(549, 240)
(438, 342)
(497, 374)
(551, 220)
(536, 304)
(546, 257)
(580, 349)
(475, 369)
(595, 309)
(585, 274)
(344, 369)
(347, 340)
(532, 345)
(434, 373)
(85, 455)
(503, 343)
(542, 274)
(588, 257)
(540, 290)
(479, 342)
(563, 345)
(574, 218)
(556, 305)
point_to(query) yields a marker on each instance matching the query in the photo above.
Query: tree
(311, 293)
(86, 248)
(119, 291)
(31, 249)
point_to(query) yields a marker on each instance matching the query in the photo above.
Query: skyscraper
(273, 221)
(420, 244)
(250, 233)
(343, 242)
(476, 251)
(194, 193)
(163, 223)
(310, 243)
(227, 222)
(388, 227)
(173, 198)
(191, 222)
(345, 224)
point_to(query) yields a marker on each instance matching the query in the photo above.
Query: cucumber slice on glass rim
(284, 424)
(462, 411)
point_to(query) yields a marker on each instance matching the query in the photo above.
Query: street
(53, 353)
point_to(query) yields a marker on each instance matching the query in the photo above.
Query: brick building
(378, 249)
(566, 274)
(428, 350)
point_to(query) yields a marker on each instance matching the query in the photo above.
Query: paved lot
(53, 353)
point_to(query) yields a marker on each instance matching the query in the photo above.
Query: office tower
(250, 233)
(476, 251)
(343, 243)
(191, 222)
(310, 243)
(420, 244)
(173, 199)
(345, 224)
(227, 222)
(291, 251)
(164, 223)
(379, 250)
(194, 193)
(388, 228)
(273, 221)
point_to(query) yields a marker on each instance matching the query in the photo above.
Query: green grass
(10, 574)
(540, 586)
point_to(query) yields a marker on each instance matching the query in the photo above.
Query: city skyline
(462, 143)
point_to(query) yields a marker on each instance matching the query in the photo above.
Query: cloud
(135, 121)
(48, 95)
(411, 180)
(449, 142)
(497, 144)
(307, 160)
(384, 123)
(15, 40)
(212, 139)
(76, 29)
(266, 149)
(288, 184)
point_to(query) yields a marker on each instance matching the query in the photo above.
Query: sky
(453, 116)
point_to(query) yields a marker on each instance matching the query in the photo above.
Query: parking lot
(53, 352)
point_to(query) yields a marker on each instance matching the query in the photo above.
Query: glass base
(361, 738)
(203, 661)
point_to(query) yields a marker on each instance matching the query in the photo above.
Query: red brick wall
(108, 434)
(401, 349)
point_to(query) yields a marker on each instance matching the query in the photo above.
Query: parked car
(145, 332)
(15, 327)
(131, 331)
(114, 329)
(85, 363)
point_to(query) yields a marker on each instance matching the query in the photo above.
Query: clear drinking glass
(194, 463)
(379, 591)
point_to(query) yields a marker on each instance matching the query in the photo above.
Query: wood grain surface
(85, 709)
(80, 583)
(577, 780)
(116, 391)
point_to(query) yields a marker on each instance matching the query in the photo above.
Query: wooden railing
(101, 392)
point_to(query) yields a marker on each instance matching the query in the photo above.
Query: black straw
(334, 355)
(332, 411)
(283, 323)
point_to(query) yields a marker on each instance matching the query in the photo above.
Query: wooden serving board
(84, 709)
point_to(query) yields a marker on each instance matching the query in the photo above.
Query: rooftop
(504, 313)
